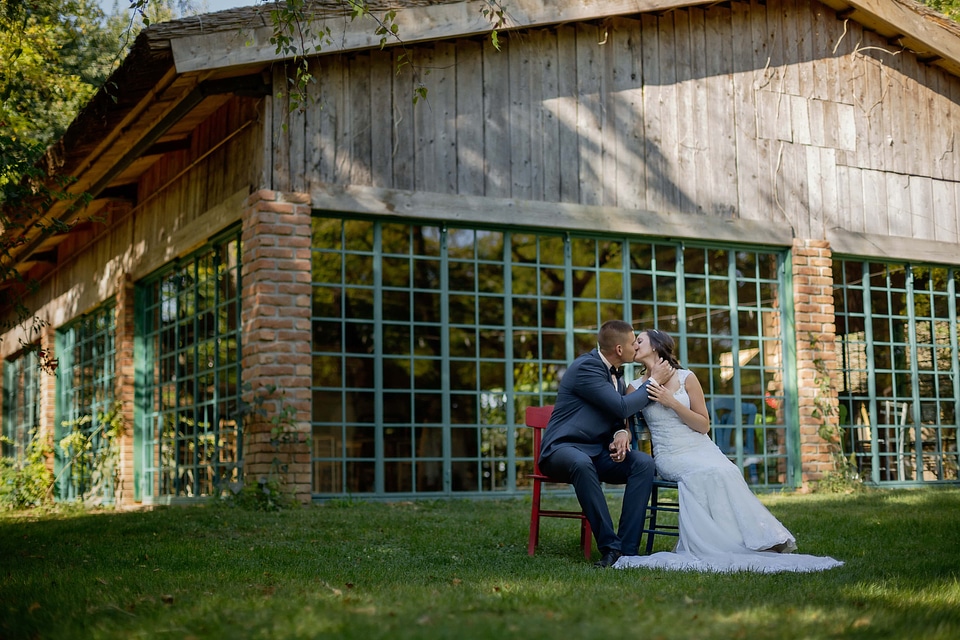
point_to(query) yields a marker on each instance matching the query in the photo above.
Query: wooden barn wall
(185, 198)
(187, 188)
(777, 112)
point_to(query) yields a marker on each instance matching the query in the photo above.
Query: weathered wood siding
(182, 192)
(777, 112)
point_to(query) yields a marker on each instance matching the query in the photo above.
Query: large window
(85, 406)
(429, 342)
(897, 328)
(723, 308)
(21, 403)
(189, 423)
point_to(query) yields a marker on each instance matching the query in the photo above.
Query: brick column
(49, 364)
(124, 385)
(816, 340)
(277, 333)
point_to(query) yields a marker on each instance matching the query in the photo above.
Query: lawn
(459, 569)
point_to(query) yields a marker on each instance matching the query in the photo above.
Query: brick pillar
(277, 332)
(816, 340)
(47, 359)
(124, 385)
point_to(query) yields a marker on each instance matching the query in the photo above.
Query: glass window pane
(192, 334)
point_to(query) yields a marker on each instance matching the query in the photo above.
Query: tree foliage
(55, 55)
(949, 8)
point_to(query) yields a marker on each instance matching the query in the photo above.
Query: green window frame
(431, 339)
(189, 440)
(897, 335)
(86, 350)
(724, 308)
(21, 403)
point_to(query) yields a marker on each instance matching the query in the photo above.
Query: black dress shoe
(608, 560)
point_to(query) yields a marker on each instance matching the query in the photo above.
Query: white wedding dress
(723, 526)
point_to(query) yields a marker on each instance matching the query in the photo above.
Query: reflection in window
(191, 428)
(21, 403)
(85, 405)
(722, 307)
(897, 337)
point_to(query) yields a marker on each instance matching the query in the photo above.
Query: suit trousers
(586, 473)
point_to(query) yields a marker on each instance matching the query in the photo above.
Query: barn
(352, 261)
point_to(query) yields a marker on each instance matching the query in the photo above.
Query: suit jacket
(589, 409)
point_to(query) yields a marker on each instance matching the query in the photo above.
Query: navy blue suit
(587, 413)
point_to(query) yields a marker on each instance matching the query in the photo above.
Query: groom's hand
(661, 371)
(619, 446)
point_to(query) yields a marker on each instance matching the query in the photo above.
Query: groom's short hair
(611, 332)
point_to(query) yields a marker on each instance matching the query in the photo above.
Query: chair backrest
(537, 418)
(749, 411)
(724, 406)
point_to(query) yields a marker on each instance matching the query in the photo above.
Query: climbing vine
(844, 476)
(269, 492)
(26, 481)
(93, 457)
(294, 27)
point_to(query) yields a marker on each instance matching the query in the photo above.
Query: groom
(586, 441)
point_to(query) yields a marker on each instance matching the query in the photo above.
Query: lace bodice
(676, 447)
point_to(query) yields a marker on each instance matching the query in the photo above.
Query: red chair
(537, 418)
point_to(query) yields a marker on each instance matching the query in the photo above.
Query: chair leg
(652, 525)
(534, 520)
(586, 536)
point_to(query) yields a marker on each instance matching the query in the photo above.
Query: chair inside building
(723, 416)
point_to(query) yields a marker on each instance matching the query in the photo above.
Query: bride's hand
(659, 393)
(655, 390)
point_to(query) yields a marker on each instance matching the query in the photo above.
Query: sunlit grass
(459, 569)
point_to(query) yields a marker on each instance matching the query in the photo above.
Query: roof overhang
(906, 23)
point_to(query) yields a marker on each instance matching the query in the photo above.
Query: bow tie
(614, 371)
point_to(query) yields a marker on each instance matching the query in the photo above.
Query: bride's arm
(696, 417)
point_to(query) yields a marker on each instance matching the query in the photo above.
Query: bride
(723, 526)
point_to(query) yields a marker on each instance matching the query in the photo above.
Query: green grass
(459, 569)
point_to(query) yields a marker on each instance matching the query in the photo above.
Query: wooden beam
(511, 212)
(122, 193)
(168, 146)
(65, 211)
(938, 34)
(229, 48)
(867, 245)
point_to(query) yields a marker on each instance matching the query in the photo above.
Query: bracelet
(622, 431)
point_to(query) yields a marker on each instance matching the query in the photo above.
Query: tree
(949, 8)
(56, 54)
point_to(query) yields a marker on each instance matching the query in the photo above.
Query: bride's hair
(664, 345)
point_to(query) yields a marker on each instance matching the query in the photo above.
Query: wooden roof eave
(905, 22)
(95, 170)
(130, 132)
(416, 23)
(933, 37)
